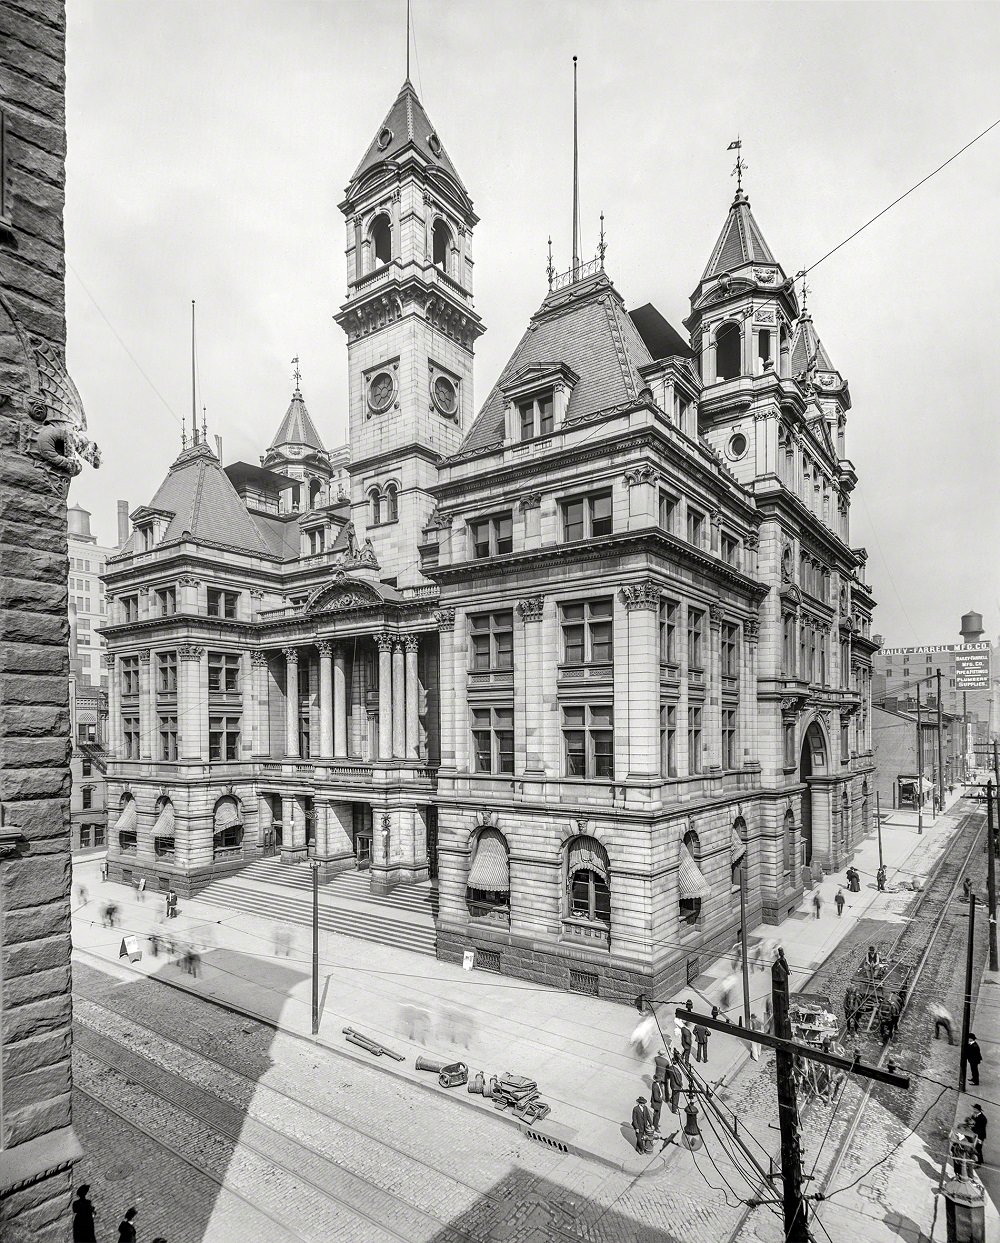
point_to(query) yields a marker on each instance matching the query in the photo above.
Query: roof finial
(296, 374)
(602, 246)
(407, 40)
(184, 439)
(204, 425)
(550, 270)
(740, 166)
(576, 182)
(806, 290)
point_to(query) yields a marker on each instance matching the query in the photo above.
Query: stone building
(87, 559)
(568, 656)
(88, 718)
(42, 433)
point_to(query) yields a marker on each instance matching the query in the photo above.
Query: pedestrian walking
(686, 1044)
(642, 1123)
(104, 871)
(645, 1034)
(726, 991)
(126, 1227)
(140, 889)
(154, 944)
(840, 900)
(758, 956)
(657, 1095)
(973, 1056)
(880, 879)
(675, 1081)
(941, 1019)
(81, 894)
(171, 904)
(768, 1014)
(966, 888)
(195, 961)
(817, 904)
(662, 1062)
(978, 1122)
(701, 1039)
(84, 1230)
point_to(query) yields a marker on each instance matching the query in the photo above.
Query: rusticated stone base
(36, 1183)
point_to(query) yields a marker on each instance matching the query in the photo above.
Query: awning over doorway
(691, 883)
(491, 866)
(127, 818)
(164, 826)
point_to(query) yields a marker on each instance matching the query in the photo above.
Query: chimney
(218, 447)
(122, 523)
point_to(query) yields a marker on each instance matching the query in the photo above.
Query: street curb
(538, 1134)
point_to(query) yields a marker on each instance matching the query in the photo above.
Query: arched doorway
(812, 762)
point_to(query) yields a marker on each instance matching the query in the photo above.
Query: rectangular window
(222, 603)
(130, 608)
(317, 542)
(166, 673)
(224, 673)
(587, 632)
(694, 740)
(587, 517)
(729, 549)
(789, 748)
(224, 738)
(493, 536)
(845, 664)
(730, 650)
(668, 740)
(536, 417)
(84, 836)
(166, 601)
(168, 737)
(86, 798)
(729, 738)
(668, 512)
(492, 639)
(493, 740)
(130, 675)
(588, 740)
(696, 638)
(98, 834)
(695, 527)
(86, 768)
(845, 742)
(812, 654)
(669, 610)
(130, 737)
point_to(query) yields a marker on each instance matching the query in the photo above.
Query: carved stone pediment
(343, 593)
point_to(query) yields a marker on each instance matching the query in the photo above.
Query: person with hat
(642, 1123)
(675, 1081)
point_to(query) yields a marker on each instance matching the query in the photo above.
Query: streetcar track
(239, 1139)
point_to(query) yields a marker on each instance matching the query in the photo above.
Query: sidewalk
(575, 1047)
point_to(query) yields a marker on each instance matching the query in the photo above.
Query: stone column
(326, 694)
(262, 718)
(713, 701)
(147, 721)
(114, 743)
(528, 732)
(398, 700)
(256, 599)
(445, 619)
(637, 665)
(412, 723)
(384, 644)
(188, 594)
(339, 701)
(747, 719)
(291, 702)
(192, 707)
(460, 665)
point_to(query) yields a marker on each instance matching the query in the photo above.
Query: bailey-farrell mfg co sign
(972, 671)
(939, 647)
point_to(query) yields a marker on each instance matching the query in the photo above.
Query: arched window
(296, 497)
(691, 885)
(784, 353)
(391, 502)
(127, 825)
(164, 842)
(588, 882)
(375, 506)
(728, 346)
(381, 239)
(227, 828)
(488, 887)
(788, 846)
(845, 819)
(441, 244)
(315, 492)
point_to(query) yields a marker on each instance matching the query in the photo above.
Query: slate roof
(740, 242)
(411, 129)
(587, 328)
(659, 336)
(808, 352)
(201, 499)
(297, 427)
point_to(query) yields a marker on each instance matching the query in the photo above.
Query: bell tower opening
(728, 346)
(441, 245)
(381, 240)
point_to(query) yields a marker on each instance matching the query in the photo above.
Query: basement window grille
(583, 982)
(488, 960)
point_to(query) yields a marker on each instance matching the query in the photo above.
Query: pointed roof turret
(811, 364)
(407, 127)
(297, 427)
(740, 242)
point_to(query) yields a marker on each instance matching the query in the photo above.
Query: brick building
(42, 433)
(559, 655)
(897, 767)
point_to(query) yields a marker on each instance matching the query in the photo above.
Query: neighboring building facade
(87, 559)
(88, 718)
(897, 767)
(572, 655)
(42, 430)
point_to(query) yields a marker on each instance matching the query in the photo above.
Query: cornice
(781, 500)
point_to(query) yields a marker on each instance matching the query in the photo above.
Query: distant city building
(572, 656)
(88, 715)
(87, 559)
(898, 769)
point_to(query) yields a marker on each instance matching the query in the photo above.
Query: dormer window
(536, 416)
(317, 542)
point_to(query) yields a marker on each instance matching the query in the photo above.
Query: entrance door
(362, 832)
(270, 848)
(811, 761)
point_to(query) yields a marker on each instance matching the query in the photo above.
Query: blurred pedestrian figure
(104, 871)
(768, 1014)
(642, 1123)
(126, 1228)
(154, 943)
(941, 1019)
(171, 903)
(973, 1056)
(966, 888)
(686, 1042)
(817, 903)
(81, 894)
(880, 878)
(840, 900)
(656, 1095)
(978, 1122)
(737, 954)
(282, 941)
(726, 991)
(195, 960)
(701, 1034)
(675, 1081)
(140, 889)
(107, 915)
(84, 1230)
(851, 1009)
(758, 956)
(457, 1026)
(755, 1025)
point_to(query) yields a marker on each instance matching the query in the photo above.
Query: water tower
(972, 627)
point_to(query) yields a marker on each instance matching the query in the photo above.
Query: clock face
(445, 396)
(380, 391)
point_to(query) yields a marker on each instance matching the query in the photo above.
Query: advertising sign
(972, 671)
(468, 960)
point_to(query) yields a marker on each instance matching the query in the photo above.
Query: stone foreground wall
(39, 423)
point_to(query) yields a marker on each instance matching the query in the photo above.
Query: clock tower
(411, 329)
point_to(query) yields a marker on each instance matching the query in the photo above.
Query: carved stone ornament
(438, 521)
(751, 630)
(715, 614)
(766, 276)
(789, 705)
(764, 317)
(787, 563)
(384, 642)
(143, 656)
(529, 500)
(486, 818)
(258, 658)
(531, 608)
(641, 474)
(291, 655)
(445, 619)
(411, 642)
(640, 596)
(108, 659)
(256, 593)
(188, 580)
(751, 541)
(189, 651)
(325, 648)
(716, 517)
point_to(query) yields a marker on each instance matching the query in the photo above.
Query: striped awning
(164, 826)
(491, 866)
(587, 852)
(127, 818)
(737, 849)
(690, 882)
(86, 716)
(227, 814)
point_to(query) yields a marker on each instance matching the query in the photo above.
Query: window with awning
(490, 871)
(164, 826)
(587, 874)
(127, 818)
(691, 883)
(227, 827)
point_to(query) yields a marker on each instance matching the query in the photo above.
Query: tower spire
(194, 394)
(576, 181)
(407, 40)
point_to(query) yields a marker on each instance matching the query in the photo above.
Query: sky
(210, 143)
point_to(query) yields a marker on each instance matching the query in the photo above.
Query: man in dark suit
(657, 1095)
(978, 1121)
(642, 1123)
(973, 1056)
(675, 1081)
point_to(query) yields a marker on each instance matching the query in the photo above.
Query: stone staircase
(282, 892)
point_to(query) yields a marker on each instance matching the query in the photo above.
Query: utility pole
(314, 864)
(920, 768)
(743, 942)
(878, 821)
(940, 726)
(967, 1007)
(796, 1229)
(992, 792)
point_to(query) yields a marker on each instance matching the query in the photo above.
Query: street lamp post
(920, 768)
(314, 864)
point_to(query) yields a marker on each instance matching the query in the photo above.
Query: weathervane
(806, 290)
(550, 270)
(296, 374)
(740, 166)
(602, 246)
